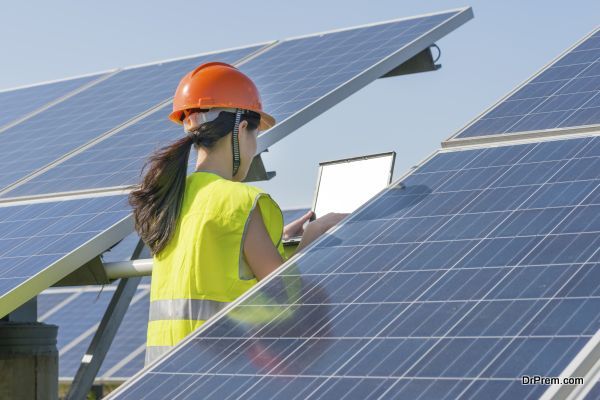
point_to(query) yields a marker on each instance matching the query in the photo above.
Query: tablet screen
(345, 185)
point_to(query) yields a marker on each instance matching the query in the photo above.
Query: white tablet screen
(346, 185)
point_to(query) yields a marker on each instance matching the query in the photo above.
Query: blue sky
(504, 44)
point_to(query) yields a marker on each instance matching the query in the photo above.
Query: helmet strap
(235, 144)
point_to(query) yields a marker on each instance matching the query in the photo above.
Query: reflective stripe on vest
(184, 309)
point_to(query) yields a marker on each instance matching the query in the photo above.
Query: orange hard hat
(218, 85)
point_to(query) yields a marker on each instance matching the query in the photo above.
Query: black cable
(439, 52)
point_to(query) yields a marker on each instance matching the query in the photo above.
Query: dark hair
(157, 202)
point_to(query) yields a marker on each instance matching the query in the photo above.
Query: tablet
(344, 185)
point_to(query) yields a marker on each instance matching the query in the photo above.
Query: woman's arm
(260, 252)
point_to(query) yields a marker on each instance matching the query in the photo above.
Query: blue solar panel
(130, 369)
(50, 302)
(40, 243)
(85, 116)
(77, 324)
(565, 94)
(484, 267)
(310, 74)
(78, 319)
(290, 76)
(297, 72)
(17, 103)
(116, 161)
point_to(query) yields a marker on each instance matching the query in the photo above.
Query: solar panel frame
(25, 289)
(277, 273)
(594, 392)
(579, 364)
(339, 93)
(456, 140)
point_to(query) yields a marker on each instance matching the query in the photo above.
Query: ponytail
(157, 202)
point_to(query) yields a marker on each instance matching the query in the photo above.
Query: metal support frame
(422, 62)
(91, 273)
(586, 365)
(98, 348)
(257, 171)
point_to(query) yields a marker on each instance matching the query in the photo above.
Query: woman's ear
(243, 126)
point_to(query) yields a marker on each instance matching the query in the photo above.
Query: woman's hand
(318, 227)
(328, 220)
(295, 228)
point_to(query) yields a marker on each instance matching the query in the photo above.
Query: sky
(482, 61)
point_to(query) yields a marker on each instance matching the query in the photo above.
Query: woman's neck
(215, 164)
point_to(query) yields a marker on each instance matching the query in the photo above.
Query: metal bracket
(422, 62)
(98, 348)
(257, 171)
(91, 273)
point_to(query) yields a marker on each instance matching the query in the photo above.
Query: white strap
(196, 119)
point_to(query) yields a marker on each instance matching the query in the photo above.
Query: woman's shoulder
(238, 194)
(253, 194)
(240, 187)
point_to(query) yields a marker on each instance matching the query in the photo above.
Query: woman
(212, 237)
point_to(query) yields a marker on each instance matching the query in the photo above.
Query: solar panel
(51, 302)
(78, 311)
(42, 242)
(303, 77)
(78, 322)
(78, 319)
(130, 369)
(564, 94)
(482, 267)
(17, 103)
(116, 161)
(594, 393)
(87, 115)
(298, 79)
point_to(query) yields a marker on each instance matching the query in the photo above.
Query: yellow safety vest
(202, 268)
